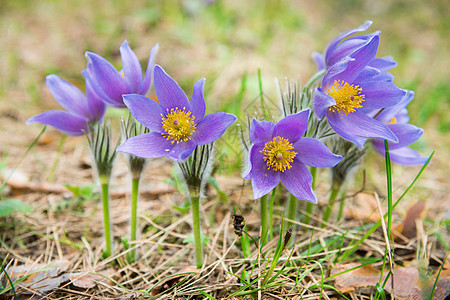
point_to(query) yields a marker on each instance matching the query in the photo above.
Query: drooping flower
(342, 47)
(81, 110)
(396, 118)
(111, 84)
(178, 124)
(281, 153)
(350, 89)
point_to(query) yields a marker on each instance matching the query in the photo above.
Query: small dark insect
(238, 224)
(287, 236)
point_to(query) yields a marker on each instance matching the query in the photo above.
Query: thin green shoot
(11, 285)
(378, 224)
(272, 198)
(437, 277)
(62, 141)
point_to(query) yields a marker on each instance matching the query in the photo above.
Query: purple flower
(396, 118)
(178, 125)
(281, 153)
(111, 84)
(350, 89)
(81, 110)
(341, 47)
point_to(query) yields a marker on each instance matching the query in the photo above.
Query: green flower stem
(134, 219)
(264, 219)
(195, 206)
(245, 244)
(333, 195)
(272, 198)
(106, 218)
(291, 210)
(310, 205)
(341, 207)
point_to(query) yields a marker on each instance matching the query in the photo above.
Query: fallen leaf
(40, 277)
(86, 280)
(409, 222)
(364, 206)
(168, 282)
(403, 284)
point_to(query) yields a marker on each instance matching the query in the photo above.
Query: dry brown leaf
(409, 222)
(86, 281)
(41, 277)
(404, 284)
(364, 206)
(169, 282)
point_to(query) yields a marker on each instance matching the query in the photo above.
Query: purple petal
(346, 48)
(168, 92)
(367, 74)
(407, 156)
(68, 96)
(298, 181)
(198, 101)
(182, 150)
(379, 94)
(212, 127)
(388, 113)
(313, 153)
(146, 111)
(406, 134)
(148, 145)
(342, 36)
(63, 121)
(263, 179)
(131, 67)
(383, 63)
(361, 58)
(261, 131)
(333, 72)
(148, 78)
(357, 125)
(319, 60)
(97, 107)
(321, 102)
(292, 127)
(107, 77)
(89, 75)
(403, 156)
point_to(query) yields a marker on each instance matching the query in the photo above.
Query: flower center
(348, 97)
(392, 121)
(178, 125)
(278, 154)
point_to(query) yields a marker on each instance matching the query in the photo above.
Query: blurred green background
(221, 40)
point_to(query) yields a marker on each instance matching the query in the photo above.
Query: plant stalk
(134, 219)
(310, 205)
(106, 218)
(194, 193)
(291, 212)
(333, 195)
(264, 219)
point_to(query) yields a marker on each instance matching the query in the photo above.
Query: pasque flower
(342, 46)
(178, 125)
(81, 110)
(281, 153)
(396, 118)
(350, 89)
(111, 84)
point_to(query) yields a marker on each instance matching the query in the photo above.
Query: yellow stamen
(278, 154)
(178, 125)
(348, 97)
(393, 121)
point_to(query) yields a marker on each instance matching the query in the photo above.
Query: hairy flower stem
(333, 195)
(134, 219)
(310, 205)
(106, 219)
(341, 207)
(264, 219)
(195, 206)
